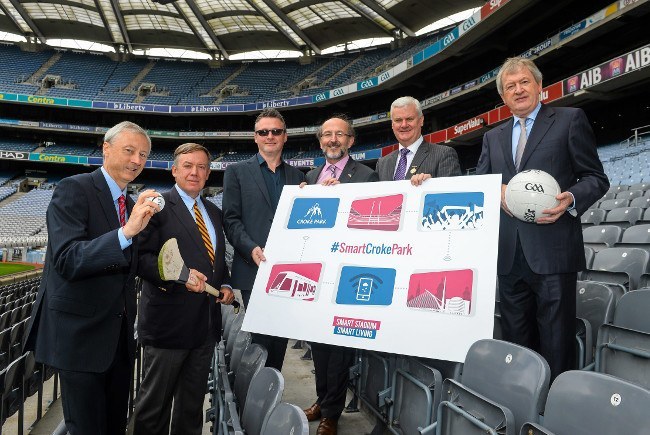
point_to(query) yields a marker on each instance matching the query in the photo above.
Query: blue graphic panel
(452, 211)
(365, 286)
(313, 213)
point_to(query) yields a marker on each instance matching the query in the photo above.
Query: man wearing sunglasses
(332, 363)
(251, 191)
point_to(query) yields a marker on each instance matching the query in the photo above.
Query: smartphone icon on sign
(364, 290)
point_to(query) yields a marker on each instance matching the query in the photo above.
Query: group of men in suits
(85, 309)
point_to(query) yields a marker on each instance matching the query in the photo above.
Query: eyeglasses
(274, 131)
(338, 134)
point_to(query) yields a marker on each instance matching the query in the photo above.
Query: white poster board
(382, 266)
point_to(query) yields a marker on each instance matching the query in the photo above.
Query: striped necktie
(333, 171)
(121, 202)
(200, 223)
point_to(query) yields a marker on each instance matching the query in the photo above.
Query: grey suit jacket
(248, 214)
(353, 172)
(437, 160)
(562, 144)
(172, 317)
(88, 281)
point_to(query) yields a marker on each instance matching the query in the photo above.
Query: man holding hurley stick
(179, 324)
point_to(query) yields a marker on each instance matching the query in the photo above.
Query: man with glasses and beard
(251, 191)
(332, 363)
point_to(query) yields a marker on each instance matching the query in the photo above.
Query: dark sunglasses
(265, 132)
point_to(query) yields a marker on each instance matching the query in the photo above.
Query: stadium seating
(286, 419)
(601, 236)
(619, 265)
(252, 361)
(502, 386)
(593, 216)
(586, 403)
(264, 394)
(624, 217)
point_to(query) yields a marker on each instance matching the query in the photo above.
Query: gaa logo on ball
(529, 192)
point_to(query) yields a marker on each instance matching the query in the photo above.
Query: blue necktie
(401, 166)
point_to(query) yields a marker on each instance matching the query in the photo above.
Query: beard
(334, 154)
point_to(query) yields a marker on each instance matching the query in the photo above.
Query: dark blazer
(353, 172)
(170, 316)
(88, 281)
(561, 143)
(248, 214)
(435, 159)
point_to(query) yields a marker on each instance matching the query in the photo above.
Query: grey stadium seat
(637, 236)
(629, 194)
(286, 419)
(611, 204)
(415, 394)
(601, 236)
(502, 386)
(242, 341)
(619, 188)
(589, 256)
(640, 186)
(588, 403)
(643, 202)
(624, 217)
(593, 216)
(609, 195)
(252, 361)
(624, 353)
(632, 311)
(618, 265)
(264, 393)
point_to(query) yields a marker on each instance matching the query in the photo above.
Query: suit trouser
(97, 403)
(332, 366)
(539, 311)
(275, 346)
(180, 375)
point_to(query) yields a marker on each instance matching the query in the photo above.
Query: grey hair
(345, 118)
(407, 101)
(514, 64)
(123, 126)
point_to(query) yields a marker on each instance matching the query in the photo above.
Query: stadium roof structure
(222, 28)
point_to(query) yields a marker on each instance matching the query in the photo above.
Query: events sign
(387, 266)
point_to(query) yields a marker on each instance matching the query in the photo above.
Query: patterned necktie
(200, 223)
(121, 202)
(401, 166)
(333, 170)
(521, 144)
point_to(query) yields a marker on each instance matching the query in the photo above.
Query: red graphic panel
(447, 291)
(296, 281)
(380, 213)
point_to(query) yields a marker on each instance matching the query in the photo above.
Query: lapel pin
(414, 169)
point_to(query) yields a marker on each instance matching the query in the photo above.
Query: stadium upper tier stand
(68, 74)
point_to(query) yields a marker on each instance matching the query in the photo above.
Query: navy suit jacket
(562, 144)
(88, 281)
(171, 316)
(248, 215)
(353, 172)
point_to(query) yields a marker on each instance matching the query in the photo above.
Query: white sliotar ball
(158, 200)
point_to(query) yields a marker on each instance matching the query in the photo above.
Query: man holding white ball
(538, 261)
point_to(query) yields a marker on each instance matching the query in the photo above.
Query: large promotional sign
(382, 266)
